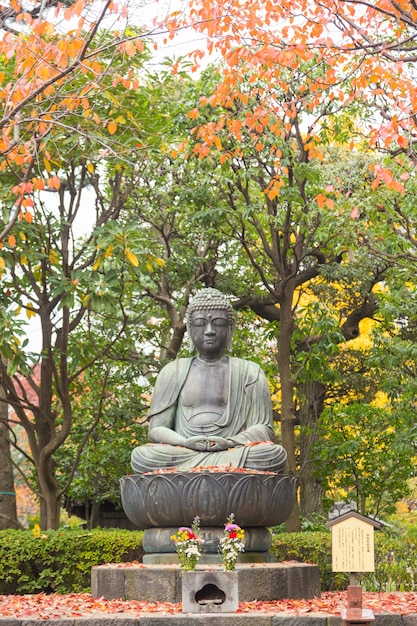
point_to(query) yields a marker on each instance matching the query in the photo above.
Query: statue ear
(230, 336)
(191, 347)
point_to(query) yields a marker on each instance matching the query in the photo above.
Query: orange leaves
(74, 10)
(235, 128)
(385, 176)
(23, 188)
(324, 201)
(274, 187)
(402, 141)
(42, 28)
(112, 127)
(263, 43)
(193, 114)
(38, 184)
(53, 182)
(131, 47)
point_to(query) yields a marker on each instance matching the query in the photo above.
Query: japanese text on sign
(353, 547)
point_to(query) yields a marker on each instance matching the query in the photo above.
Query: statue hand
(197, 443)
(218, 443)
(208, 444)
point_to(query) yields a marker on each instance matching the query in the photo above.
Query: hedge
(395, 560)
(60, 561)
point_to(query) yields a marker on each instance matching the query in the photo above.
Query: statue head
(210, 302)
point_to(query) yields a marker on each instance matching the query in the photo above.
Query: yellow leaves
(36, 531)
(109, 251)
(106, 255)
(30, 312)
(131, 257)
(53, 257)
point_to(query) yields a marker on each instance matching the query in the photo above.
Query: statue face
(209, 332)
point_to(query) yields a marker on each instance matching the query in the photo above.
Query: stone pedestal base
(163, 583)
(209, 592)
(158, 540)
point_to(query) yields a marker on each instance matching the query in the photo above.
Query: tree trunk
(8, 511)
(50, 496)
(312, 396)
(50, 508)
(94, 517)
(287, 393)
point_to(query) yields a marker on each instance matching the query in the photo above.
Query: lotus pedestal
(161, 503)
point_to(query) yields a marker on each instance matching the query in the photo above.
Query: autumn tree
(278, 204)
(367, 56)
(55, 75)
(327, 60)
(51, 272)
(111, 302)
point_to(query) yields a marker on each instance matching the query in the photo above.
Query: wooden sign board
(353, 543)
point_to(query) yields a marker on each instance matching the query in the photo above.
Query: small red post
(354, 613)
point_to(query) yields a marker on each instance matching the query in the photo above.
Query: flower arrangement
(231, 544)
(188, 545)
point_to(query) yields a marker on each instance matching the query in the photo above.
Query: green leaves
(366, 452)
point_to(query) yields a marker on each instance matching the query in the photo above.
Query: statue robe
(247, 420)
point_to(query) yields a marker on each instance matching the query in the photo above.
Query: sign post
(353, 552)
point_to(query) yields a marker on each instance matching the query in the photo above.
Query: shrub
(61, 561)
(395, 560)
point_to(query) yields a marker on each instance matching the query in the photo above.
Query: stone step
(235, 619)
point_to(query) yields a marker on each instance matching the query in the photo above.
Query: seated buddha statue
(210, 409)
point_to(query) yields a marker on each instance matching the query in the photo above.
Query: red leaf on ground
(44, 606)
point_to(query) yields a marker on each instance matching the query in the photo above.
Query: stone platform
(162, 583)
(235, 619)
